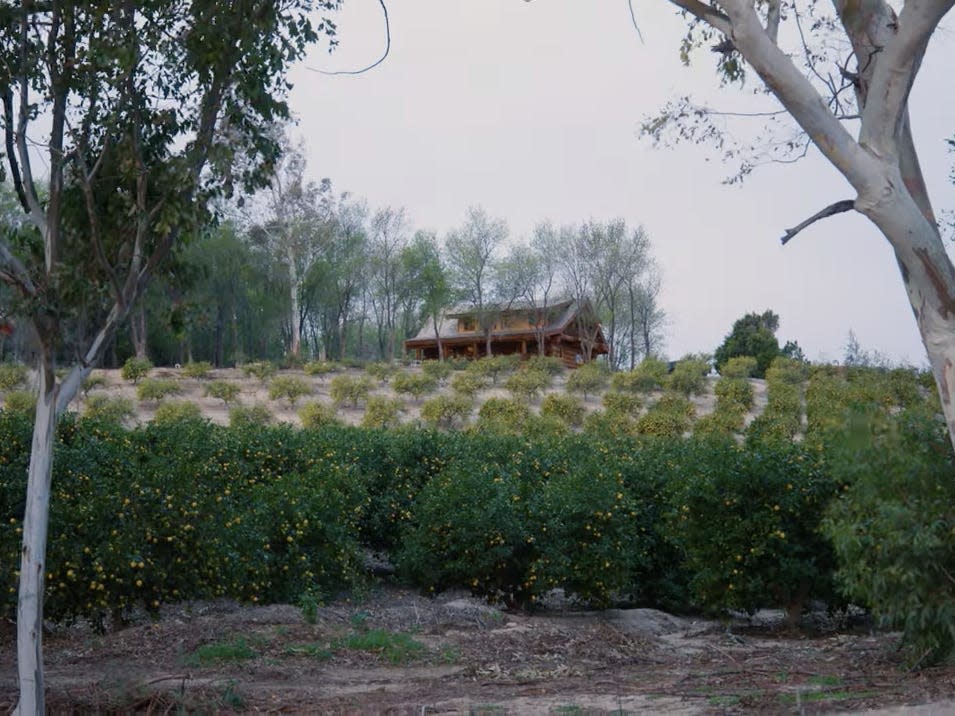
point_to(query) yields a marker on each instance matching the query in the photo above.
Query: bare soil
(476, 659)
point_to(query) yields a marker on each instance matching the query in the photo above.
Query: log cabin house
(566, 329)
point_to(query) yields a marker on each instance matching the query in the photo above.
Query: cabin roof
(564, 313)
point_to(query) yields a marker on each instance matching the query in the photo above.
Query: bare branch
(838, 208)
(894, 74)
(707, 13)
(773, 14)
(373, 65)
(29, 187)
(796, 93)
(16, 271)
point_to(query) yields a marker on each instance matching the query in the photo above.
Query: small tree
(588, 380)
(144, 109)
(135, 368)
(290, 388)
(753, 335)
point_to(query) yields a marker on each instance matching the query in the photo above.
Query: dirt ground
(398, 652)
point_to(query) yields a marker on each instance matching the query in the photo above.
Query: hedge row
(186, 509)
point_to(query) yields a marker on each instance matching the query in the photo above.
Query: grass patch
(222, 652)
(397, 648)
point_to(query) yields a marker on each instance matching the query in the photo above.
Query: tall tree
(545, 286)
(388, 237)
(338, 275)
(425, 284)
(298, 214)
(143, 108)
(471, 251)
(879, 161)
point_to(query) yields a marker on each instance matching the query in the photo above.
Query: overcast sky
(532, 110)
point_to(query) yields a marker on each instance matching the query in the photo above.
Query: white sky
(532, 111)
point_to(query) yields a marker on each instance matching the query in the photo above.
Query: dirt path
(399, 652)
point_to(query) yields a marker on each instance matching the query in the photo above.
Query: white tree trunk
(33, 553)
(295, 346)
(928, 275)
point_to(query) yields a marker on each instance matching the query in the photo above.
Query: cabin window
(467, 324)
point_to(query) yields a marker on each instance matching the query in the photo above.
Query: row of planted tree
(184, 509)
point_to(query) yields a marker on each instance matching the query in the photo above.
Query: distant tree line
(299, 272)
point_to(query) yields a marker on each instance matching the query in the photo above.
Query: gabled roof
(564, 313)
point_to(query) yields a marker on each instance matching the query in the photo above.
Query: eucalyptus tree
(649, 318)
(388, 237)
(850, 97)
(426, 289)
(545, 286)
(297, 216)
(471, 251)
(338, 275)
(139, 112)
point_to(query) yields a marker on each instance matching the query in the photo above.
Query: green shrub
(93, 381)
(546, 364)
(648, 376)
(503, 416)
(722, 422)
(197, 369)
(588, 379)
(20, 401)
(748, 522)
(176, 410)
(671, 416)
(786, 370)
(321, 367)
(458, 363)
(527, 384)
(245, 416)
(629, 381)
(381, 412)
(439, 370)
(317, 415)
(290, 388)
(414, 384)
(566, 408)
(263, 370)
(733, 392)
(469, 529)
(623, 404)
(223, 390)
(689, 377)
(607, 423)
(447, 411)
(135, 368)
(892, 528)
(111, 409)
(468, 383)
(12, 375)
(495, 366)
(739, 367)
(381, 371)
(350, 389)
(587, 539)
(157, 388)
(539, 427)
